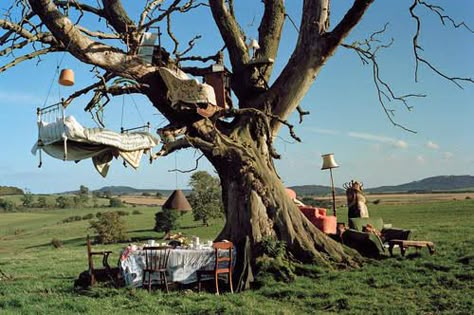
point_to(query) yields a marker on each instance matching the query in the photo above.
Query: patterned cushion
(359, 223)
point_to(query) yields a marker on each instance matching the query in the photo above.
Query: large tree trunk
(257, 205)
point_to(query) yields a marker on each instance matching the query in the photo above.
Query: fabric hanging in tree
(100, 144)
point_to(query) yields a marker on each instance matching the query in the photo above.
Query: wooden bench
(404, 244)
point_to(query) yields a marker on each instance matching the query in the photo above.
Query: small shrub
(116, 203)
(166, 220)
(122, 213)
(468, 197)
(7, 205)
(110, 228)
(98, 215)
(275, 261)
(135, 212)
(146, 194)
(88, 216)
(72, 219)
(56, 243)
(18, 231)
(376, 201)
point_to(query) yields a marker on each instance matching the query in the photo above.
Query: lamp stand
(333, 194)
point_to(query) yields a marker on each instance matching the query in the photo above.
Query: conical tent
(177, 201)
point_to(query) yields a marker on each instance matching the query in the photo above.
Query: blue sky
(345, 119)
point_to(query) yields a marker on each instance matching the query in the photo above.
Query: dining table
(182, 267)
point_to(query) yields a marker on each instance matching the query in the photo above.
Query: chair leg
(166, 283)
(217, 283)
(230, 283)
(199, 281)
(149, 282)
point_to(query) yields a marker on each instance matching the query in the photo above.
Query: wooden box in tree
(219, 78)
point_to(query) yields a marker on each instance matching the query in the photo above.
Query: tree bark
(257, 205)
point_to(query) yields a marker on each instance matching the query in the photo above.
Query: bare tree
(237, 140)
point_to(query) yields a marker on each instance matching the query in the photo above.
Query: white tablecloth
(182, 265)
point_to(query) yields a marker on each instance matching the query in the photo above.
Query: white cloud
(448, 155)
(432, 145)
(420, 159)
(400, 144)
(324, 131)
(382, 139)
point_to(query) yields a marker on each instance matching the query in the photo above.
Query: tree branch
(118, 17)
(302, 113)
(303, 66)
(102, 82)
(190, 170)
(191, 44)
(80, 6)
(417, 49)
(367, 53)
(201, 59)
(231, 34)
(149, 8)
(97, 34)
(348, 22)
(269, 32)
(170, 147)
(29, 56)
(84, 48)
(173, 7)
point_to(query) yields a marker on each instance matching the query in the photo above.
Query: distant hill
(126, 190)
(314, 190)
(431, 184)
(8, 190)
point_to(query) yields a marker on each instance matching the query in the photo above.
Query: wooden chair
(156, 261)
(90, 258)
(222, 265)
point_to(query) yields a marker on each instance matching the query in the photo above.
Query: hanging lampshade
(328, 161)
(66, 77)
(177, 201)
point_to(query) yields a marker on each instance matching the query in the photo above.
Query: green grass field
(40, 277)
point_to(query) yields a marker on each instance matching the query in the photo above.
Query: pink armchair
(317, 216)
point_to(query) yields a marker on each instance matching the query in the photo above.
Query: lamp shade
(328, 161)
(177, 201)
(66, 77)
(254, 44)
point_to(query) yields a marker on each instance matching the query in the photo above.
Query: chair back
(156, 257)
(89, 253)
(219, 258)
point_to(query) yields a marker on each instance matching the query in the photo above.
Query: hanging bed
(62, 137)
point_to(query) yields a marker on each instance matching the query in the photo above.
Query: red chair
(222, 265)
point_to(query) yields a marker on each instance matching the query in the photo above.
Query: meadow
(38, 278)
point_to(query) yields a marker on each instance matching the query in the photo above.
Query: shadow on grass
(78, 241)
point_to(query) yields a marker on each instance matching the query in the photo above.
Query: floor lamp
(330, 163)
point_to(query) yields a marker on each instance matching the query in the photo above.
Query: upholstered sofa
(368, 243)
